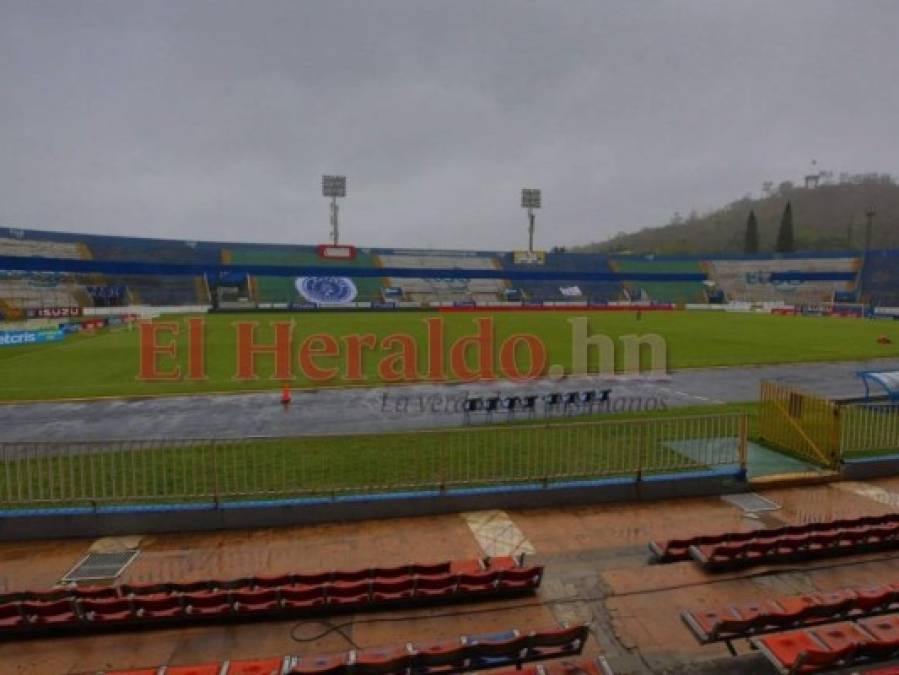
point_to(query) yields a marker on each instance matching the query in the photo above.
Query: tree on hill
(825, 212)
(785, 240)
(751, 244)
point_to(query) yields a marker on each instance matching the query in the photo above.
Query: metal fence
(825, 432)
(869, 428)
(803, 424)
(168, 470)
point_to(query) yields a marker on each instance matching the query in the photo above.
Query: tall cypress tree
(785, 241)
(752, 234)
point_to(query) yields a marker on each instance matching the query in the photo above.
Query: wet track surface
(398, 407)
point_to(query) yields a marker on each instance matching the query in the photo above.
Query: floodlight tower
(334, 187)
(530, 200)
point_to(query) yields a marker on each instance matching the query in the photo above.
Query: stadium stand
(530, 280)
(511, 648)
(756, 280)
(29, 613)
(444, 289)
(733, 550)
(556, 291)
(880, 280)
(372, 663)
(266, 289)
(838, 645)
(738, 621)
(679, 292)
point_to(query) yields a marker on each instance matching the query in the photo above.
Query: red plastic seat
(466, 566)
(790, 611)
(95, 592)
(382, 661)
(559, 640)
(801, 651)
(334, 664)
(435, 587)
(116, 610)
(885, 633)
(256, 667)
(51, 595)
(157, 606)
(875, 597)
(302, 597)
(519, 578)
(57, 613)
(207, 604)
(787, 648)
(430, 569)
(264, 600)
(513, 649)
(707, 621)
(839, 636)
(386, 590)
(390, 573)
(478, 583)
(198, 586)
(240, 583)
(343, 593)
(351, 576)
(145, 589)
(11, 616)
(835, 603)
(436, 655)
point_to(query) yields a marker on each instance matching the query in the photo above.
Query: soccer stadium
(440, 338)
(245, 458)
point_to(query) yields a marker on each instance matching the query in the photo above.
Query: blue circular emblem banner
(331, 290)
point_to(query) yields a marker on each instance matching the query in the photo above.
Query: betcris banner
(29, 337)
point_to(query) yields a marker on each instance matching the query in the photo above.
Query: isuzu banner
(29, 337)
(53, 312)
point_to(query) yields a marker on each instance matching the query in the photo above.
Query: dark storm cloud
(215, 120)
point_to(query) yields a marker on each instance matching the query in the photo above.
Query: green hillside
(829, 217)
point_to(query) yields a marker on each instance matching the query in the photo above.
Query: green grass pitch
(106, 363)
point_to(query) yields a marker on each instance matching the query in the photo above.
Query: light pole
(530, 200)
(869, 224)
(334, 187)
(869, 214)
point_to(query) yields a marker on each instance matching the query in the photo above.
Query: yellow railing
(167, 470)
(802, 424)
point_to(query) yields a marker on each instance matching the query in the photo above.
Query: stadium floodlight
(334, 187)
(531, 199)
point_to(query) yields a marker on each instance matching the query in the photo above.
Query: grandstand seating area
(880, 282)
(797, 611)
(733, 550)
(751, 280)
(444, 289)
(681, 292)
(530, 279)
(555, 291)
(267, 289)
(506, 649)
(30, 613)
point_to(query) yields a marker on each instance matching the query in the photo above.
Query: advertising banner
(53, 312)
(29, 337)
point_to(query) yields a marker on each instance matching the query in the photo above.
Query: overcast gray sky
(215, 120)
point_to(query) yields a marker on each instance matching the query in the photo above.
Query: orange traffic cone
(285, 395)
